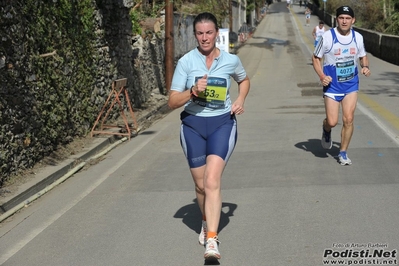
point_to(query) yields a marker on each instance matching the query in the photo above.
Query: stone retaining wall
(52, 90)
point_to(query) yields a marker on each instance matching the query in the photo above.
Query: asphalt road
(286, 201)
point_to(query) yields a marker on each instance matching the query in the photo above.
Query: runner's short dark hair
(206, 16)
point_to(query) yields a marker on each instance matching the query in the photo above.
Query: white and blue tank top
(341, 54)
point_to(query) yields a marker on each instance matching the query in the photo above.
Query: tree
(392, 21)
(378, 15)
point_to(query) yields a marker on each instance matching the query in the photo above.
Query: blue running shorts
(203, 136)
(338, 97)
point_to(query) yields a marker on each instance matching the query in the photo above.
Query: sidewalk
(38, 183)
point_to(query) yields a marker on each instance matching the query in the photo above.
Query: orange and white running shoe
(211, 249)
(202, 235)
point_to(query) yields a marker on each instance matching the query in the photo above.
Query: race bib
(214, 95)
(345, 70)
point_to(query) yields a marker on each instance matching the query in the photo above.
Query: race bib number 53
(214, 95)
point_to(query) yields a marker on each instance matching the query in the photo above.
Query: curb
(24, 195)
(35, 191)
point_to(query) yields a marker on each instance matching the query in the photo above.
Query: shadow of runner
(212, 262)
(191, 215)
(314, 146)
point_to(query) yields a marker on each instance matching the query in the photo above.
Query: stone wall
(53, 84)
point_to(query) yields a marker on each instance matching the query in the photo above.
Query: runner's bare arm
(316, 62)
(178, 99)
(243, 89)
(364, 63)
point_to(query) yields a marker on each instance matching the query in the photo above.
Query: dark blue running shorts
(203, 136)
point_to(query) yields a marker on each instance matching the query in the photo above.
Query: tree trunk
(384, 9)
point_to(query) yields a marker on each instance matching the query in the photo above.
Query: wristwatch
(192, 91)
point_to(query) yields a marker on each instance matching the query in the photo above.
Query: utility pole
(230, 16)
(169, 44)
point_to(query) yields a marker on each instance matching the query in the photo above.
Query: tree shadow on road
(314, 146)
(392, 76)
(191, 215)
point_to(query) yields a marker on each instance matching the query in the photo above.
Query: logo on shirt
(353, 51)
(337, 51)
(345, 51)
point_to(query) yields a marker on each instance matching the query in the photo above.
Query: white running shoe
(326, 140)
(202, 235)
(211, 249)
(344, 159)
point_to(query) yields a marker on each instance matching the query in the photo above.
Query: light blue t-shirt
(216, 99)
